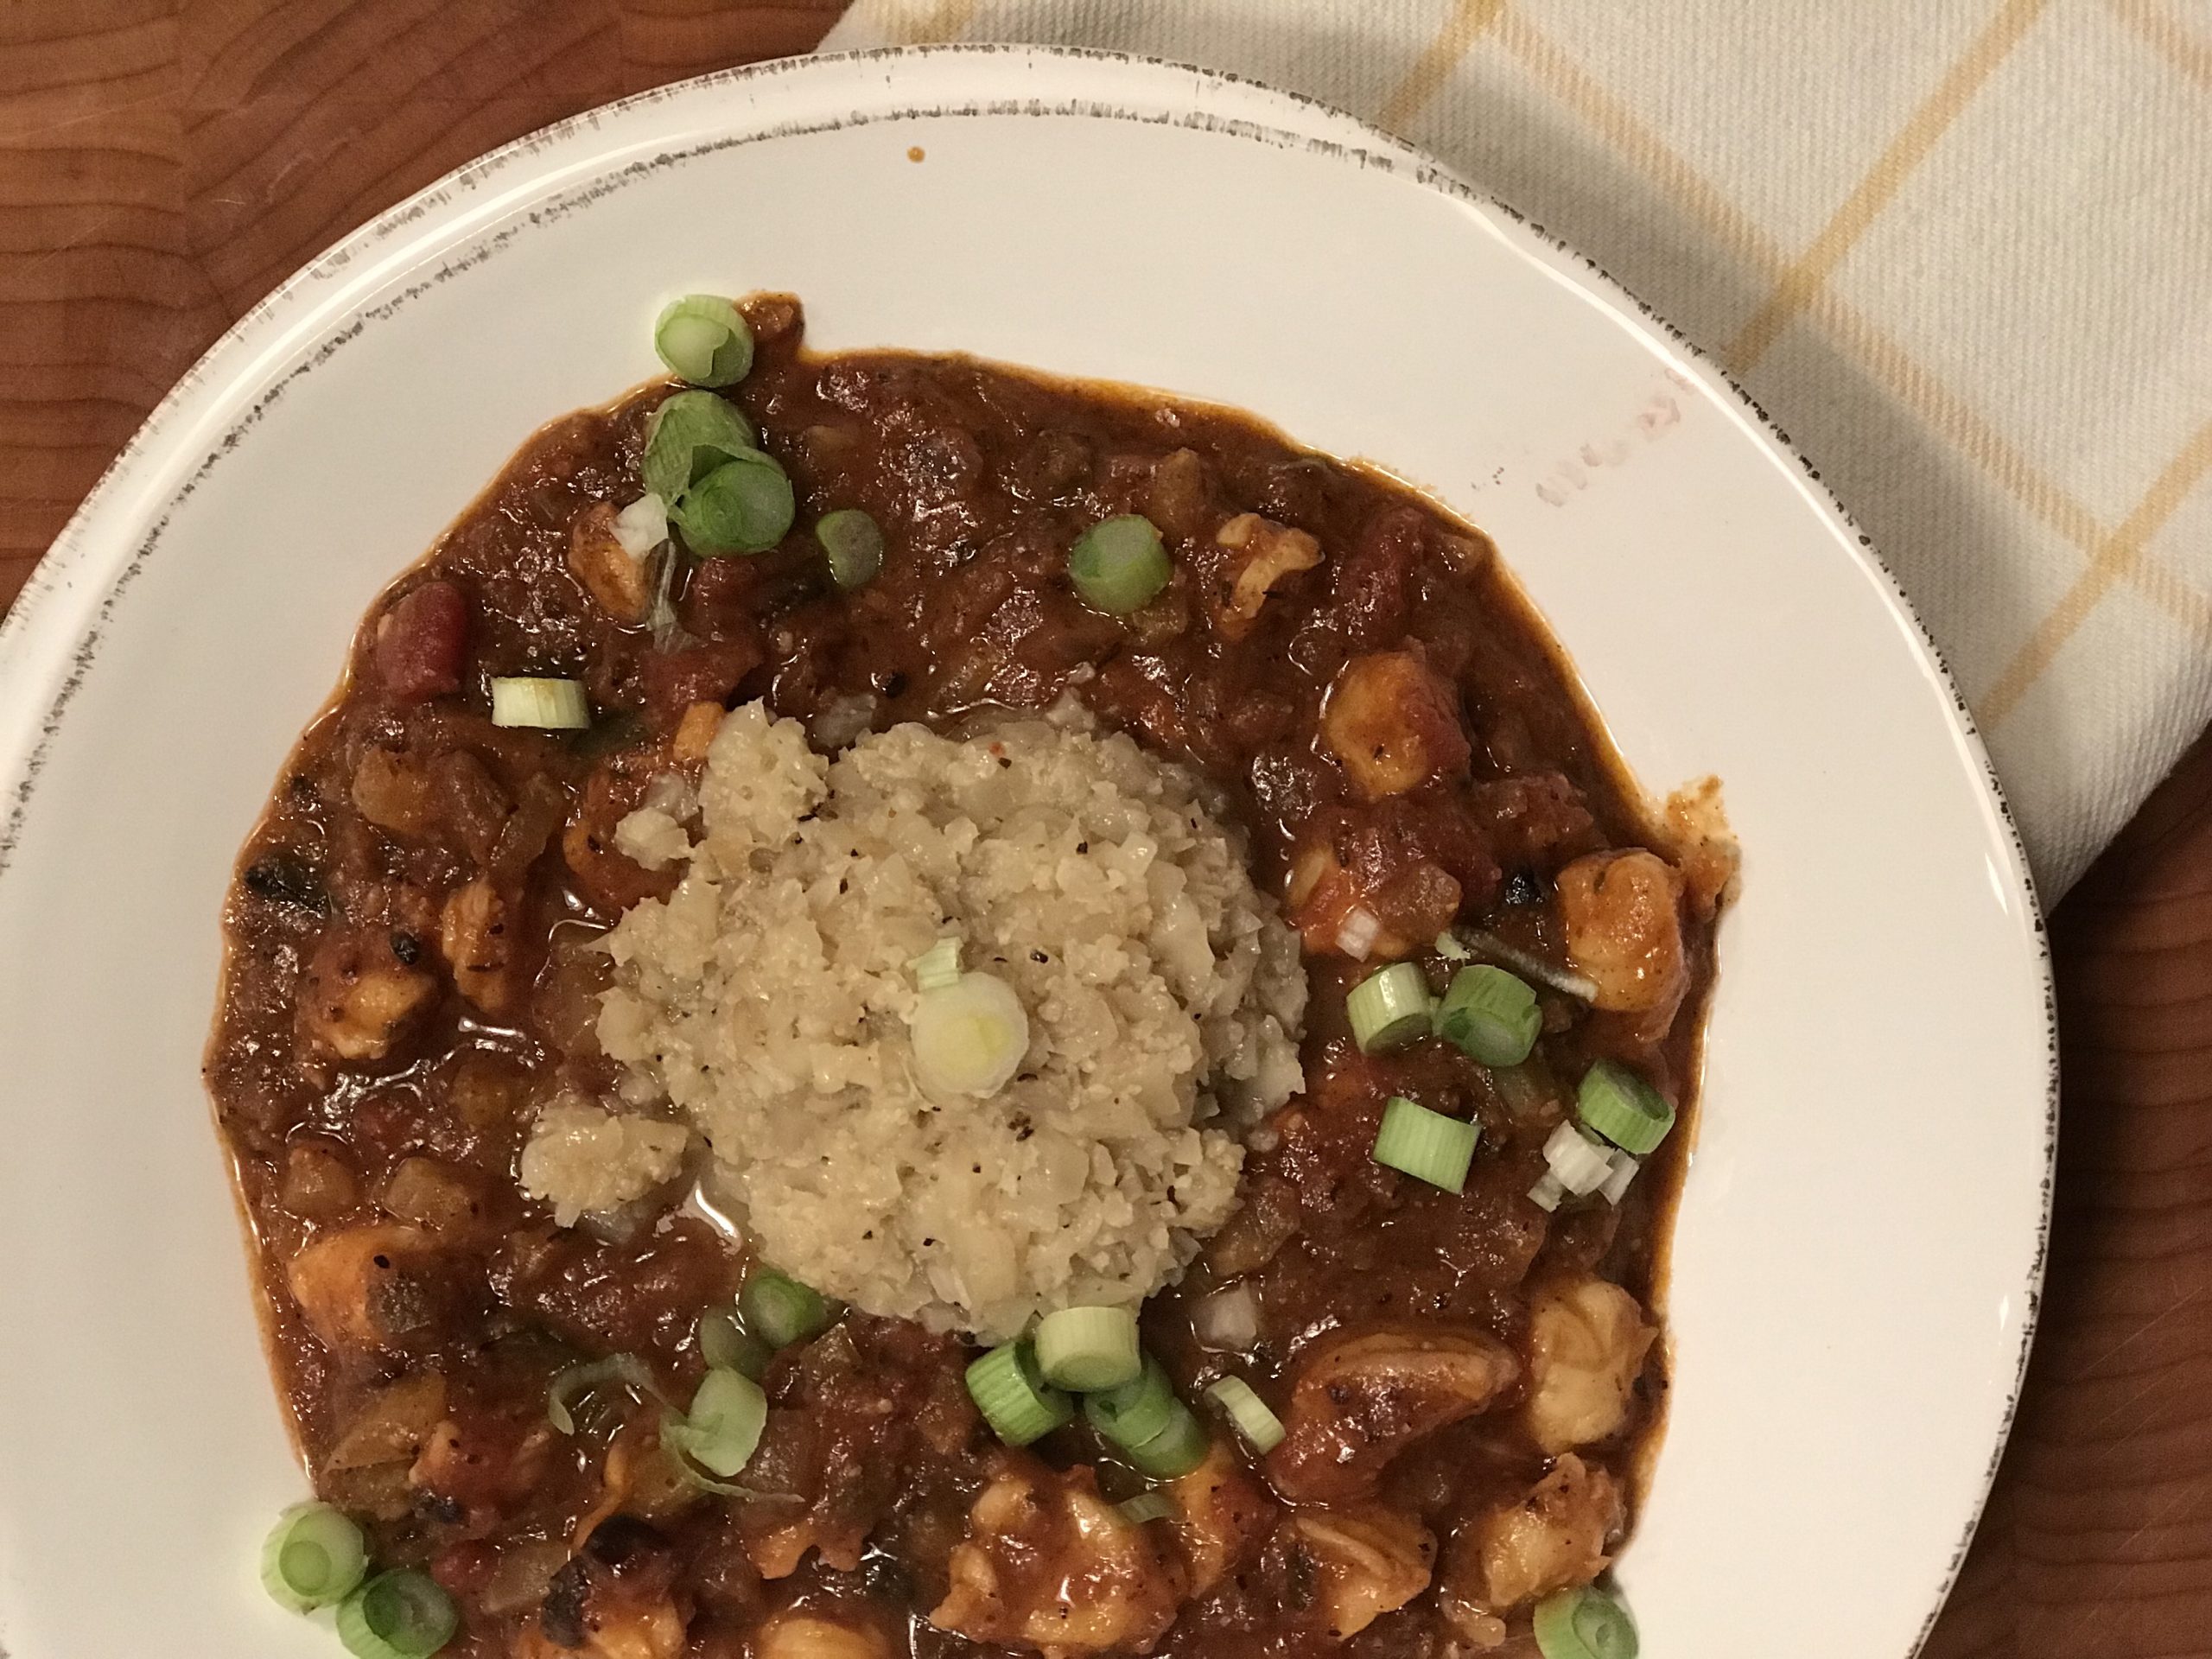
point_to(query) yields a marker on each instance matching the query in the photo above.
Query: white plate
(1858, 1258)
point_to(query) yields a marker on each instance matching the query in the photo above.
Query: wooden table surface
(163, 164)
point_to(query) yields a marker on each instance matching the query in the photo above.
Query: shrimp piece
(1393, 723)
(1264, 553)
(616, 578)
(1623, 912)
(1357, 1401)
(1362, 1562)
(364, 1290)
(1221, 1517)
(475, 939)
(358, 993)
(1554, 1538)
(1049, 1564)
(1586, 1343)
(794, 1635)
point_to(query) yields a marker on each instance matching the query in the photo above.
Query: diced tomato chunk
(420, 641)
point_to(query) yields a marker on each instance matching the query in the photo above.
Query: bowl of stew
(1610, 1172)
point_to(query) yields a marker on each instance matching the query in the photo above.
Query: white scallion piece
(968, 1036)
(1624, 1172)
(549, 704)
(1447, 946)
(642, 526)
(1579, 1163)
(1546, 1192)
(1356, 936)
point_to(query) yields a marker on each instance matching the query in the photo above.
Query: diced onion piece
(729, 1346)
(1623, 1108)
(402, 1614)
(1088, 1349)
(1581, 1163)
(705, 339)
(1546, 1192)
(1013, 1396)
(853, 542)
(1390, 1008)
(1426, 1145)
(722, 1429)
(1119, 565)
(1531, 966)
(1262, 1429)
(1447, 946)
(1228, 1321)
(642, 526)
(970, 1036)
(1490, 1015)
(1357, 933)
(1616, 1186)
(1176, 1450)
(568, 1386)
(780, 1311)
(1146, 1506)
(314, 1556)
(553, 705)
(938, 966)
(1136, 1412)
(1584, 1623)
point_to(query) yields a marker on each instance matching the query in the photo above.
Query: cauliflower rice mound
(766, 1002)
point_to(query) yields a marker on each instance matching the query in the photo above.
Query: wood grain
(164, 165)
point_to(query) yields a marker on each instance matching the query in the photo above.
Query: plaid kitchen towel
(1961, 250)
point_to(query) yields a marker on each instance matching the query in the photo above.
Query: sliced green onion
(1490, 1015)
(554, 705)
(1146, 1506)
(727, 1346)
(1175, 1451)
(853, 544)
(1546, 1192)
(1584, 1623)
(722, 1429)
(1623, 1108)
(314, 1556)
(1582, 1164)
(1013, 1396)
(402, 1614)
(688, 435)
(579, 1380)
(705, 339)
(1262, 1429)
(1390, 1008)
(1119, 565)
(1447, 946)
(1135, 1412)
(1426, 1145)
(744, 506)
(1088, 1348)
(937, 967)
(779, 1310)
(968, 1037)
